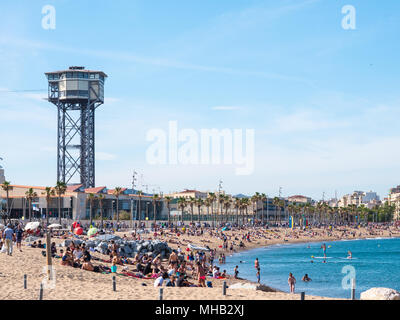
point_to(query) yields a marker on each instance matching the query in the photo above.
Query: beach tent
(92, 232)
(78, 231)
(32, 225)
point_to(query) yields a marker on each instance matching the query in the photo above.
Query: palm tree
(60, 189)
(6, 186)
(207, 203)
(30, 195)
(91, 197)
(212, 197)
(168, 200)
(227, 206)
(117, 192)
(236, 205)
(182, 205)
(221, 200)
(49, 194)
(245, 202)
(263, 198)
(191, 202)
(199, 203)
(276, 202)
(140, 193)
(155, 197)
(254, 201)
(100, 198)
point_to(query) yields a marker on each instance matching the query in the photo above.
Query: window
(70, 75)
(91, 76)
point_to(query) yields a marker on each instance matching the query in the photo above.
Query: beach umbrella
(54, 225)
(78, 231)
(92, 232)
(32, 225)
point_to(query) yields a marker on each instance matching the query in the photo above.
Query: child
(258, 275)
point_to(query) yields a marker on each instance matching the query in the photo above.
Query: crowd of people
(184, 267)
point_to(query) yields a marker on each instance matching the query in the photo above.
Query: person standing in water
(291, 282)
(323, 247)
(349, 255)
(256, 264)
(258, 275)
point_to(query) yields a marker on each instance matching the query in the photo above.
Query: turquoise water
(376, 263)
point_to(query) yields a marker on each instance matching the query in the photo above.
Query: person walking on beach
(9, 237)
(291, 282)
(19, 233)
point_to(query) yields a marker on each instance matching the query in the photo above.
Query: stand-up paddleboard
(321, 257)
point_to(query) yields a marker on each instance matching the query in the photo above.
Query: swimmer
(350, 256)
(306, 278)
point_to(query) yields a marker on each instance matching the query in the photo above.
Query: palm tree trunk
(47, 212)
(30, 210)
(169, 217)
(59, 209)
(117, 209)
(140, 212)
(101, 216)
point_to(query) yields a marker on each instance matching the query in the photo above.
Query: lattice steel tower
(77, 93)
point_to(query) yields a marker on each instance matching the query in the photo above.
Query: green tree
(49, 193)
(30, 195)
(60, 190)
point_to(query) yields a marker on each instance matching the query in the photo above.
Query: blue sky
(323, 101)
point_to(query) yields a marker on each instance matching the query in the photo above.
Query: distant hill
(240, 196)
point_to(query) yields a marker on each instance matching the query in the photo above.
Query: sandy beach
(76, 284)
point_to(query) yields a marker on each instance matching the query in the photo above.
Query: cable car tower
(76, 93)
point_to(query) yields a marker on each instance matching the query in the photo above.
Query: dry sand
(76, 284)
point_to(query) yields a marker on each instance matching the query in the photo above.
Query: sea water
(375, 263)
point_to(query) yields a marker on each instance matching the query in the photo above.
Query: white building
(370, 197)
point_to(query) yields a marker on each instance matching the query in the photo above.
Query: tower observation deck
(76, 93)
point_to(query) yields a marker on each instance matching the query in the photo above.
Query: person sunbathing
(67, 259)
(115, 259)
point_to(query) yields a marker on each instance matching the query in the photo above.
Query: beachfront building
(76, 203)
(394, 199)
(299, 199)
(187, 194)
(358, 198)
